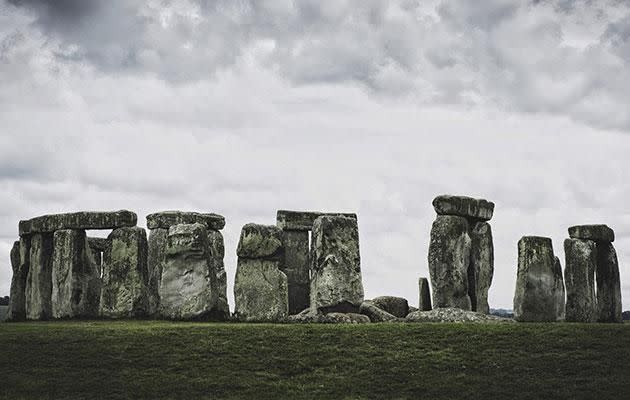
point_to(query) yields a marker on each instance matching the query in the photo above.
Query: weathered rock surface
(336, 284)
(296, 266)
(97, 243)
(454, 315)
(463, 206)
(217, 253)
(481, 267)
(39, 279)
(536, 295)
(597, 233)
(397, 306)
(308, 317)
(581, 263)
(260, 291)
(166, 219)
(78, 220)
(558, 290)
(260, 241)
(75, 280)
(96, 248)
(20, 254)
(157, 243)
(375, 313)
(609, 307)
(424, 303)
(124, 291)
(303, 220)
(449, 257)
(188, 288)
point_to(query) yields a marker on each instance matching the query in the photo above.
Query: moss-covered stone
(20, 255)
(260, 291)
(39, 280)
(260, 242)
(581, 264)
(78, 220)
(397, 306)
(303, 220)
(597, 233)
(463, 206)
(124, 291)
(166, 219)
(481, 268)
(609, 306)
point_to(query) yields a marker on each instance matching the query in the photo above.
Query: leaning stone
(581, 263)
(157, 242)
(609, 307)
(463, 206)
(188, 288)
(597, 233)
(260, 291)
(454, 315)
(78, 220)
(449, 257)
(481, 268)
(20, 254)
(39, 280)
(535, 296)
(336, 284)
(217, 253)
(296, 267)
(397, 306)
(166, 219)
(75, 281)
(124, 291)
(424, 303)
(303, 220)
(375, 313)
(260, 241)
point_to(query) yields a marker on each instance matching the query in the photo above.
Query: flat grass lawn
(149, 359)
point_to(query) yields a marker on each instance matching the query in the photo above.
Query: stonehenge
(539, 294)
(461, 253)
(592, 275)
(304, 269)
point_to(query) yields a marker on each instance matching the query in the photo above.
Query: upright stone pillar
(75, 278)
(97, 247)
(296, 267)
(260, 288)
(188, 288)
(538, 281)
(159, 224)
(217, 254)
(336, 284)
(124, 291)
(39, 279)
(424, 303)
(461, 253)
(595, 242)
(20, 254)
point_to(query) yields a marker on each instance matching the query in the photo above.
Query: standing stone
(188, 288)
(124, 291)
(581, 263)
(155, 264)
(296, 268)
(449, 257)
(217, 253)
(535, 297)
(97, 247)
(76, 283)
(336, 284)
(20, 254)
(608, 284)
(558, 290)
(424, 303)
(39, 280)
(261, 291)
(481, 268)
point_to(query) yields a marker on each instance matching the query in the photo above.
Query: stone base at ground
(397, 306)
(310, 317)
(454, 315)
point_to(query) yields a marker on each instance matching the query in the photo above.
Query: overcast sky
(245, 107)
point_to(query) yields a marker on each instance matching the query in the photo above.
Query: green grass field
(148, 359)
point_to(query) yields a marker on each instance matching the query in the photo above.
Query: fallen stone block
(375, 313)
(454, 315)
(397, 306)
(78, 220)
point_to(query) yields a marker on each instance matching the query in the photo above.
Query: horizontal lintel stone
(78, 220)
(597, 233)
(463, 206)
(166, 219)
(303, 220)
